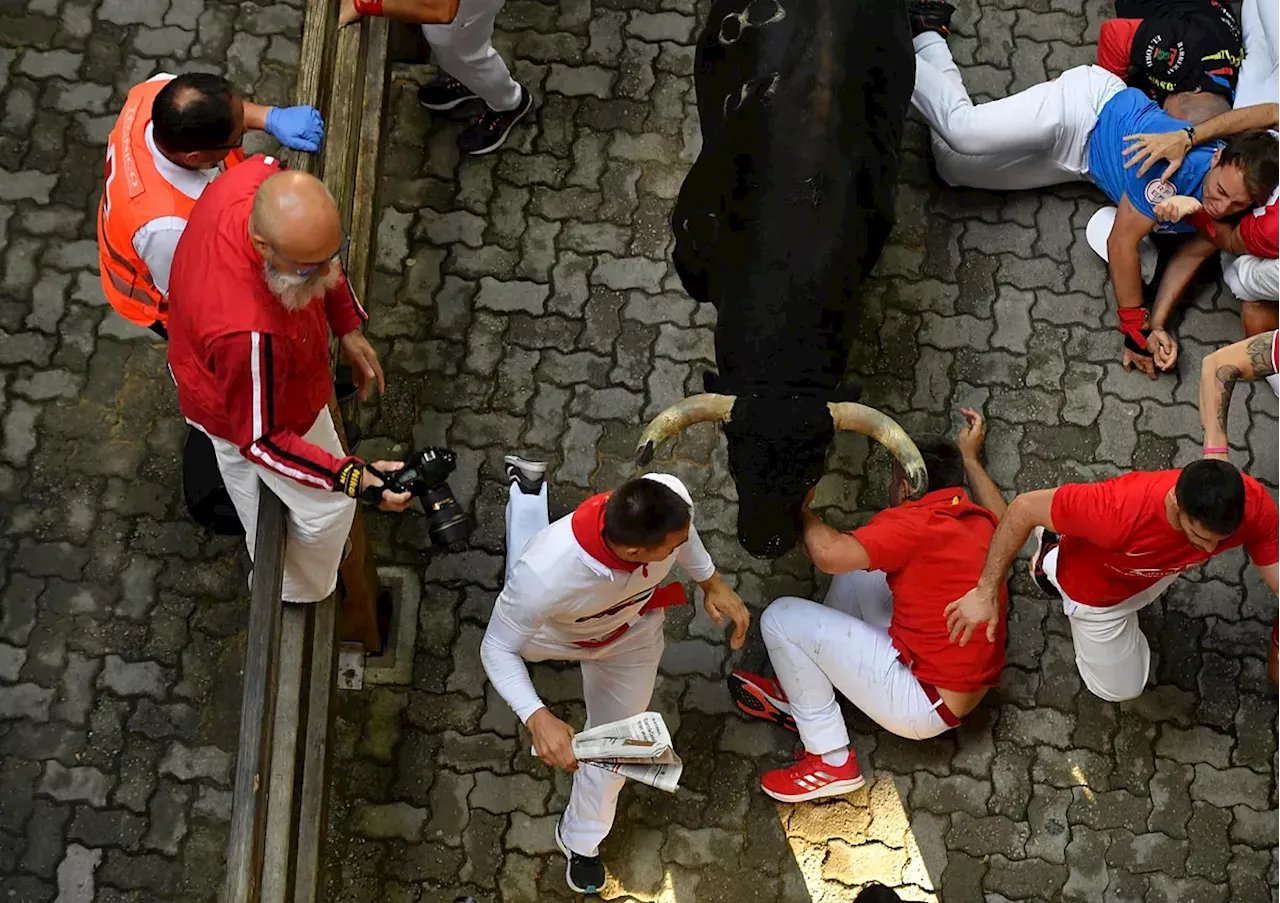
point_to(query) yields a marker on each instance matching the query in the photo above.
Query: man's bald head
(294, 214)
(1196, 107)
(294, 225)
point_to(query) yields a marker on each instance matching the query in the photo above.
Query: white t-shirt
(157, 240)
(559, 594)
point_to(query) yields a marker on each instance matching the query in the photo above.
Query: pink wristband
(1217, 451)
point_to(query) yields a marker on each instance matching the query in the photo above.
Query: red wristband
(1217, 451)
(1135, 323)
(369, 7)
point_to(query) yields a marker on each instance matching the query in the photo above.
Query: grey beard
(296, 292)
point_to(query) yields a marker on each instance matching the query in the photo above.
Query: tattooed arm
(1246, 360)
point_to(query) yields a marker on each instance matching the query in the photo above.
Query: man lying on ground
(881, 638)
(1248, 247)
(1073, 128)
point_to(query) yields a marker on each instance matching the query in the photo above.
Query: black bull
(779, 221)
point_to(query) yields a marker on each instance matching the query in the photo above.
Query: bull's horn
(884, 429)
(695, 409)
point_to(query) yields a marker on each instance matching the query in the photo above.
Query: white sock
(836, 757)
(1274, 381)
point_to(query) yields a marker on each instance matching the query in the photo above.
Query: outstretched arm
(1177, 276)
(1148, 148)
(985, 491)
(981, 604)
(1124, 262)
(1246, 360)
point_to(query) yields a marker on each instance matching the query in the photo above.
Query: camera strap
(372, 495)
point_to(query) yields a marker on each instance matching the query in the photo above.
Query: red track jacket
(248, 370)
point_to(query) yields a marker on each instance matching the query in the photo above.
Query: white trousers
(844, 645)
(1256, 278)
(318, 522)
(1033, 139)
(464, 50)
(617, 682)
(1112, 653)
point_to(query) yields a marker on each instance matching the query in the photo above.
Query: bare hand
(347, 13)
(1176, 209)
(721, 603)
(552, 740)
(974, 608)
(971, 434)
(1151, 147)
(1145, 364)
(1163, 347)
(365, 367)
(395, 502)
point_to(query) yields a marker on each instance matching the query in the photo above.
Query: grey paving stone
(78, 784)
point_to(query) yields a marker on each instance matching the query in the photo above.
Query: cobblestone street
(526, 302)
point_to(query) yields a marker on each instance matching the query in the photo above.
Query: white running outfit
(554, 597)
(1032, 139)
(844, 645)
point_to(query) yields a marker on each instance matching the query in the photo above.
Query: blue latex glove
(300, 128)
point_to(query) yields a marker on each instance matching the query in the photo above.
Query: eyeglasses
(235, 145)
(306, 269)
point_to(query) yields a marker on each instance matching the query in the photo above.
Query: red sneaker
(761, 697)
(812, 779)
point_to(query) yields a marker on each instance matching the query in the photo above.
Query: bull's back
(791, 199)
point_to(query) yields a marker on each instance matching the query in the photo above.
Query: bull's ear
(711, 381)
(847, 392)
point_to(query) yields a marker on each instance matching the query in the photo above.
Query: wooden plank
(292, 676)
(365, 186)
(350, 173)
(406, 43)
(359, 620)
(320, 23)
(313, 791)
(257, 710)
(342, 135)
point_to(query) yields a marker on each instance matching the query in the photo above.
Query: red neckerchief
(588, 530)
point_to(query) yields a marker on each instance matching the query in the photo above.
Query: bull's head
(777, 453)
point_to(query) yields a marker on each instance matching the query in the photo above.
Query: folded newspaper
(638, 748)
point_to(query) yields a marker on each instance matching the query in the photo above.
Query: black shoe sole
(1047, 543)
(751, 705)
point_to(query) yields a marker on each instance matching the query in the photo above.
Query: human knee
(1258, 317)
(780, 614)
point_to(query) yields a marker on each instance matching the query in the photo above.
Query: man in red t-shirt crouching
(1110, 549)
(881, 637)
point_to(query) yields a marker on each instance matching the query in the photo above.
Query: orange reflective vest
(133, 194)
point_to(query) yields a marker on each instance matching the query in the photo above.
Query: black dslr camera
(423, 476)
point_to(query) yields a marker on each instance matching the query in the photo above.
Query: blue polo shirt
(1131, 112)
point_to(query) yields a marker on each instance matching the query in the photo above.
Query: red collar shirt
(248, 370)
(932, 551)
(1117, 540)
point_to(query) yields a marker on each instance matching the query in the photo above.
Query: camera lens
(447, 524)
